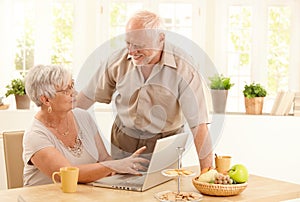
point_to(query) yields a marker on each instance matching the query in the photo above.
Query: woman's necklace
(67, 130)
(77, 149)
(54, 126)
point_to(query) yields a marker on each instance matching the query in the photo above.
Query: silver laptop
(164, 156)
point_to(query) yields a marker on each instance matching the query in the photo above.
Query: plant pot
(254, 105)
(22, 101)
(219, 99)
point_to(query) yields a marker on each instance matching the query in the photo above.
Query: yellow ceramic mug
(68, 178)
(222, 163)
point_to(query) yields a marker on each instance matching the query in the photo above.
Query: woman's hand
(132, 164)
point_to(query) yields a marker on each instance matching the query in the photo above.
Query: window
(178, 18)
(247, 40)
(278, 47)
(177, 15)
(120, 11)
(35, 32)
(62, 35)
(24, 34)
(27, 30)
(239, 49)
(254, 43)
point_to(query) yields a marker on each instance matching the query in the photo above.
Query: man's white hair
(148, 19)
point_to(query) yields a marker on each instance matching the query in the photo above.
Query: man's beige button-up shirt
(174, 91)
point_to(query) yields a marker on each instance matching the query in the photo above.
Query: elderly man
(157, 89)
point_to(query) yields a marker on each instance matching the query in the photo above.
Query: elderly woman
(62, 136)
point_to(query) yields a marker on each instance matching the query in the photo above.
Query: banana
(209, 176)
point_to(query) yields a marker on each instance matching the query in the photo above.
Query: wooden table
(259, 189)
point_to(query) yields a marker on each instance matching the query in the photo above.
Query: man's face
(144, 46)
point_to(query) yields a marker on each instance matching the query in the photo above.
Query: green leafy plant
(220, 82)
(254, 90)
(16, 87)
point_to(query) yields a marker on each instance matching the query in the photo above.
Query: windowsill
(263, 114)
(109, 109)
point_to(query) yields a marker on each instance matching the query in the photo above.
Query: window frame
(259, 64)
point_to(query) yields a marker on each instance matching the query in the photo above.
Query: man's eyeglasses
(134, 46)
(69, 89)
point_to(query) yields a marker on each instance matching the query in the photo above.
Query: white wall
(266, 145)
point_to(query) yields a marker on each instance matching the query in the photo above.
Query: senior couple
(156, 89)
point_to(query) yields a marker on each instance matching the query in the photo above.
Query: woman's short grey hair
(45, 80)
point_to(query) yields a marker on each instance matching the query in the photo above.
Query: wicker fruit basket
(219, 189)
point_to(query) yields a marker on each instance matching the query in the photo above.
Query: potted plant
(254, 95)
(17, 88)
(219, 85)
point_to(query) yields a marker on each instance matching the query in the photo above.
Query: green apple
(239, 173)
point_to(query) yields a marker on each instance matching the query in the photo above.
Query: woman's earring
(49, 109)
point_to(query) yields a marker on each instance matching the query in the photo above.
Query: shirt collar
(167, 58)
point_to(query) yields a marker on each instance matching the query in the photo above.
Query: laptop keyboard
(136, 180)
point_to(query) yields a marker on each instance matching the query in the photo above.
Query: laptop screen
(164, 156)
